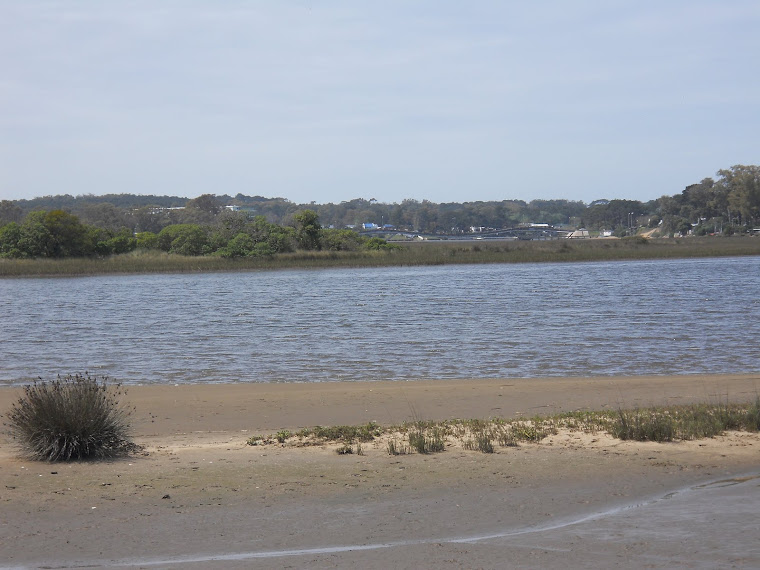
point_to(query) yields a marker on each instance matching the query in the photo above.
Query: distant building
(159, 209)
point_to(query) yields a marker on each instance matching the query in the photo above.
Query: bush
(77, 417)
(377, 244)
(183, 239)
(239, 246)
(146, 240)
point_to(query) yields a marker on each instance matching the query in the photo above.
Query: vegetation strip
(658, 424)
(418, 254)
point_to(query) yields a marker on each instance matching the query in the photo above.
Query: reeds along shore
(409, 254)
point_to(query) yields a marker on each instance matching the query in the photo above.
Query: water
(527, 320)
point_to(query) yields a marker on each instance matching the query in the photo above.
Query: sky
(325, 100)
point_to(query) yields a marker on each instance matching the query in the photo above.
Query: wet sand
(202, 498)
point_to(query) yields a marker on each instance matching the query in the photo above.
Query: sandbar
(200, 497)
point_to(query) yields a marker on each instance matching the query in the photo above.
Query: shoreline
(234, 407)
(200, 497)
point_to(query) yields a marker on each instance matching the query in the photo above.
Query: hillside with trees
(240, 225)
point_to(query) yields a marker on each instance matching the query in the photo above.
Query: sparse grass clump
(348, 449)
(481, 441)
(424, 439)
(396, 447)
(753, 415)
(366, 432)
(347, 435)
(685, 422)
(76, 417)
(480, 434)
(282, 436)
(640, 425)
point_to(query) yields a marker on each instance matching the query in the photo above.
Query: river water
(528, 320)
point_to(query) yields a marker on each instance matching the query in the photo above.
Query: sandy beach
(199, 497)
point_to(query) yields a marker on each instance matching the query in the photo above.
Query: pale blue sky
(332, 100)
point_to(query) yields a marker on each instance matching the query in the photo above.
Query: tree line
(86, 225)
(59, 234)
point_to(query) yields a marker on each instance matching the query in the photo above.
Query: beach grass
(439, 252)
(683, 423)
(346, 434)
(657, 424)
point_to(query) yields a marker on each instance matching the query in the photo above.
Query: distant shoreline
(411, 254)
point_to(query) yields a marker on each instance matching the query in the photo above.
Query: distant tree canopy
(59, 234)
(65, 225)
(615, 214)
(732, 202)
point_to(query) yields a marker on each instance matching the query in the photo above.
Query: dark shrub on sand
(76, 417)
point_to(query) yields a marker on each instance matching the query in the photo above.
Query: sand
(199, 497)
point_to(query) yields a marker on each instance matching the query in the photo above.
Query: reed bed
(409, 254)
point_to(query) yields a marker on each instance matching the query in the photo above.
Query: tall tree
(308, 229)
(743, 190)
(9, 212)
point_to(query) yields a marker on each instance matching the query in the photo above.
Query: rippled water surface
(528, 320)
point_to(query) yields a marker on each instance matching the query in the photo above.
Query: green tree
(120, 242)
(148, 219)
(68, 235)
(54, 234)
(146, 240)
(206, 203)
(201, 210)
(377, 244)
(341, 240)
(239, 246)
(10, 212)
(106, 216)
(280, 239)
(35, 239)
(10, 234)
(742, 184)
(308, 229)
(183, 239)
(683, 227)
